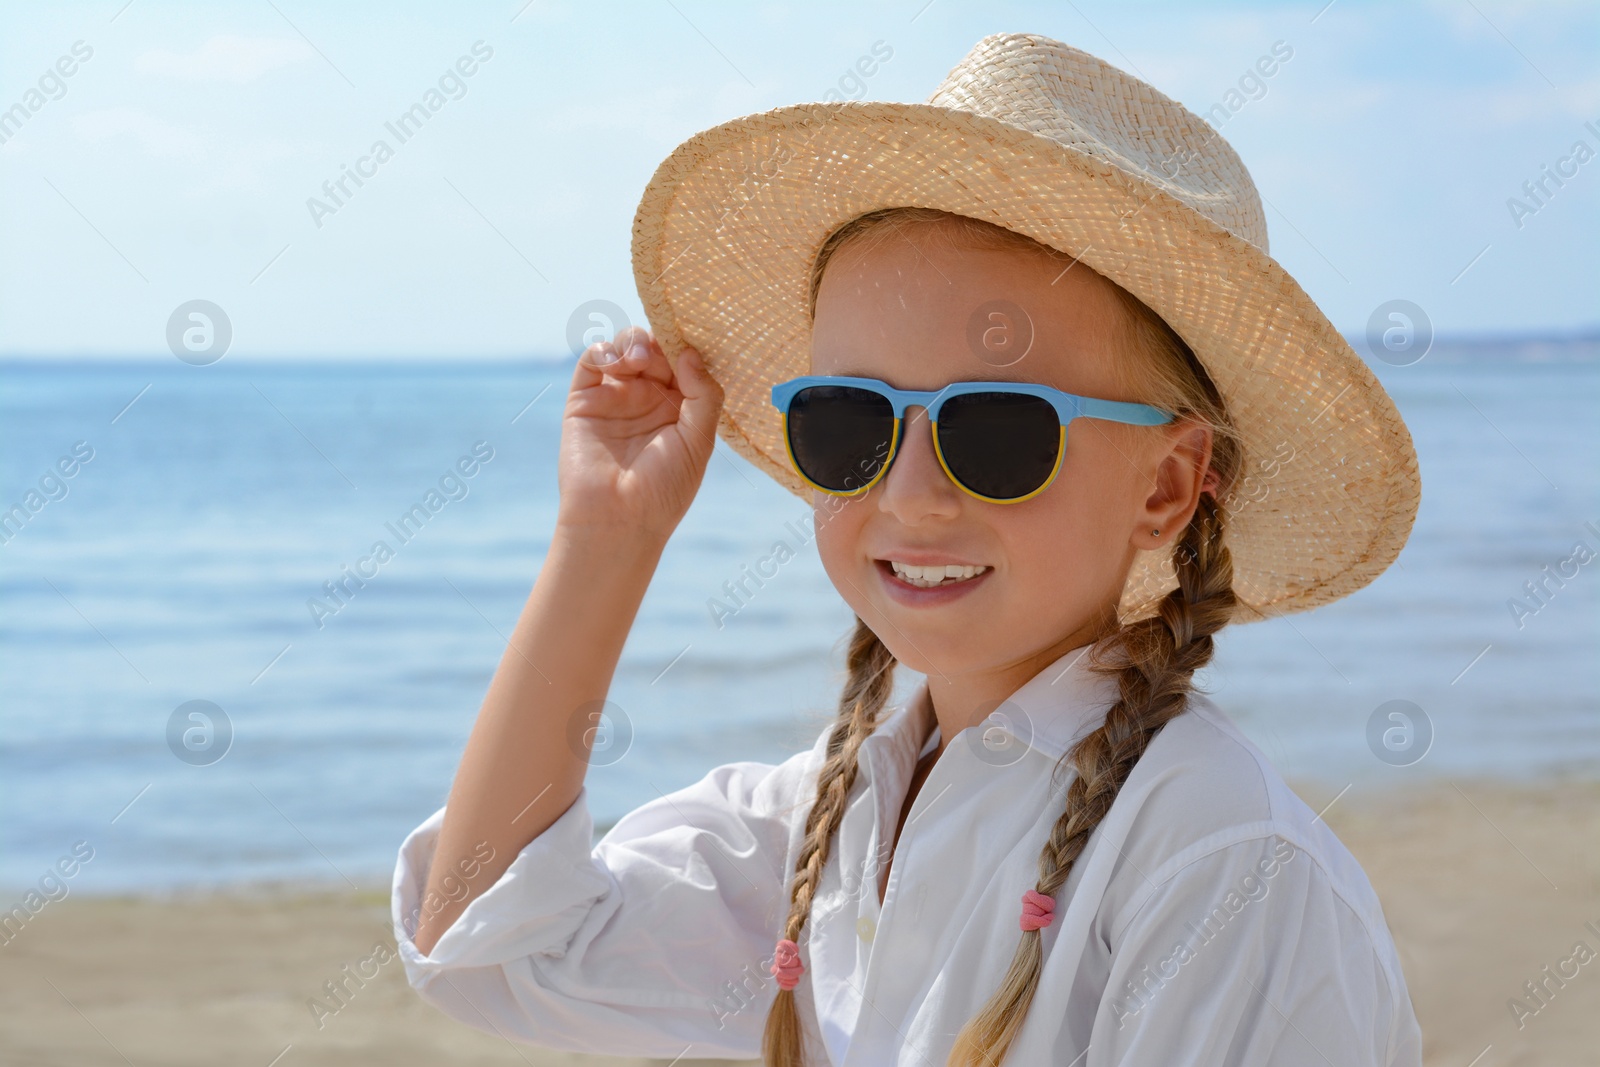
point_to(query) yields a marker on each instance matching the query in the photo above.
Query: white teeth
(927, 577)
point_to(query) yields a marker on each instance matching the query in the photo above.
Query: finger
(628, 336)
(641, 359)
(593, 363)
(643, 362)
(646, 356)
(640, 350)
(702, 401)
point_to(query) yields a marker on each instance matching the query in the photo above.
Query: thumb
(702, 399)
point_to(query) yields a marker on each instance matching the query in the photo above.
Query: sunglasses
(1001, 442)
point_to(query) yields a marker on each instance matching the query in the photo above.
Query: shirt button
(866, 927)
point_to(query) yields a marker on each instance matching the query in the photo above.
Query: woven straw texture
(1039, 137)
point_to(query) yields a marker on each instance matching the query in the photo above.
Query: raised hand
(635, 436)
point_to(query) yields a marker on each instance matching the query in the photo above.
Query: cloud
(157, 137)
(225, 58)
(233, 161)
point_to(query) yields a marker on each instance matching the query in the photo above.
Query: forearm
(526, 758)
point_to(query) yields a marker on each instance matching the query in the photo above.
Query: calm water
(178, 564)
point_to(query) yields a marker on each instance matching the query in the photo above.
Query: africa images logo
(406, 125)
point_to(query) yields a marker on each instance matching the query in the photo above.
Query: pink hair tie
(1211, 481)
(1037, 910)
(786, 965)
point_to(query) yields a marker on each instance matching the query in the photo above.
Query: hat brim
(730, 223)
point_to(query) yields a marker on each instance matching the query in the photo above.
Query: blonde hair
(1153, 658)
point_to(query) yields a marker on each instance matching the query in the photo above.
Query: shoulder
(1214, 848)
(1202, 788)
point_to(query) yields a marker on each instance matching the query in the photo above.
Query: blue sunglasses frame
(1068, 406)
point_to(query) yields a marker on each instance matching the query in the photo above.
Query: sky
(180, 158)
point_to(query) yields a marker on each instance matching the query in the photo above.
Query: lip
(904, 592)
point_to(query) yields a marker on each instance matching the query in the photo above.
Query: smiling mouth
(935, 576)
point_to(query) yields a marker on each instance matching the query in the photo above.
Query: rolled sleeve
(1247, 956)
(654, 942)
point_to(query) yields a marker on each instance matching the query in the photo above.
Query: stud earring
(1155, 533)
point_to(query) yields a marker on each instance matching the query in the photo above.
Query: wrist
(613, 542)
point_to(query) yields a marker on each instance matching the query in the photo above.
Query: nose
(915, 487)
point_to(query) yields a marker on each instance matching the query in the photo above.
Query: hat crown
(1079, 101)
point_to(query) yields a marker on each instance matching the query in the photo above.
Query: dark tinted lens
(840, 435)
(1000, 445)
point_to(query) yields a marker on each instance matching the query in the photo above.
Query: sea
(189, 695)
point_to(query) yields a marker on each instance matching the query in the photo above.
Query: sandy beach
(1484, 885)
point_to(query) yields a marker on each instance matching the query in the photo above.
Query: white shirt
(1211, 919)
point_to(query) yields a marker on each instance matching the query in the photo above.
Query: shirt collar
(1061, 704)
(1050, 713)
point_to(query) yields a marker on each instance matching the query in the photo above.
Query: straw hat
(1036, 136)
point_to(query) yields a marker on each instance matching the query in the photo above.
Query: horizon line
(1576, 336)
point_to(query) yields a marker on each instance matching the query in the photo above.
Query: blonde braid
(866, 691)
(1157, 660)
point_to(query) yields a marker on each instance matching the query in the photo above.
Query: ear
(1180, 468)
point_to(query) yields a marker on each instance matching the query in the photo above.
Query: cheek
(1038, 545)
(1070, 546)
(838, 523)
(1061, 568)
(1101, 480)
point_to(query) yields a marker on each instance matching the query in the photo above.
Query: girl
(1061, 421)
